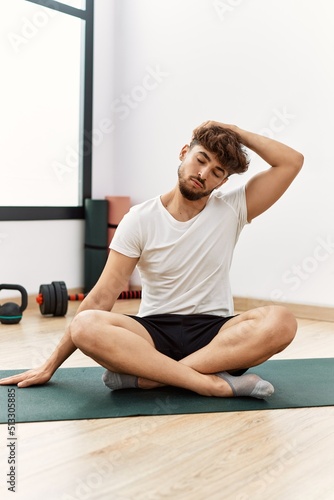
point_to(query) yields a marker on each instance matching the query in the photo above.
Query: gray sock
(115, 381)
(248, 385)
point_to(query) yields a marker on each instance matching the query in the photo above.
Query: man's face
(199, 173)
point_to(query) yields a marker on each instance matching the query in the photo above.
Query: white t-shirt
(184, 266)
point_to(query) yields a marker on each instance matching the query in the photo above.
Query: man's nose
(202, 173)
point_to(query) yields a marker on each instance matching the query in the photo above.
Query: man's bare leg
(246, 340)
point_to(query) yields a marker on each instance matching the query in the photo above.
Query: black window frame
(11, 213)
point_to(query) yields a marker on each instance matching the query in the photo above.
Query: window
(46, 103)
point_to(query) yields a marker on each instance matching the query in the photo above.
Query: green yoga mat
(78, 393)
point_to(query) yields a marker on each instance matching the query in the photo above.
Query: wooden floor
(276, 455)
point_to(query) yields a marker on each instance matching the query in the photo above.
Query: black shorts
(178, 335)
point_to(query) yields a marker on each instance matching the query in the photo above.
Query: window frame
(10, 213)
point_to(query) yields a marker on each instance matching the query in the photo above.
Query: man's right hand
(37, 376)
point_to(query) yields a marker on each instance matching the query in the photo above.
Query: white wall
(164, 66)
(265, 66)
(38, 252)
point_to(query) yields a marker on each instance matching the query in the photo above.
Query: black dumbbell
(10, 312)
(53, 299)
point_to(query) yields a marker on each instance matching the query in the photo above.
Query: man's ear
(184, 151)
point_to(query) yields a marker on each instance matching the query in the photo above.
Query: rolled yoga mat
(118, 206)
(79, 393)
(96, 241)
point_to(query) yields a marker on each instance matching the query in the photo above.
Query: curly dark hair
(225, 144)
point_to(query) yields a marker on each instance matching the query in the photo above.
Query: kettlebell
(10, 312)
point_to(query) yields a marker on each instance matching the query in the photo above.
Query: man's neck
(180, 208)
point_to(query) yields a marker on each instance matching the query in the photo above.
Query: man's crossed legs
(125, 348)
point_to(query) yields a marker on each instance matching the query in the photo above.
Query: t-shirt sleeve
(237, 201)
(126, 239)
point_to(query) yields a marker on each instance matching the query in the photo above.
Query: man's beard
(188, 193)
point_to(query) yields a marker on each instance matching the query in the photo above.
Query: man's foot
(115, 381)
(248, 385)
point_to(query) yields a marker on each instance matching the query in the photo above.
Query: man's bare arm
(266, 187)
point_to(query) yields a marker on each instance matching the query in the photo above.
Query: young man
(185, 333)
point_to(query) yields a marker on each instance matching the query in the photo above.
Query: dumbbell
(53, 299)
(10, 312)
